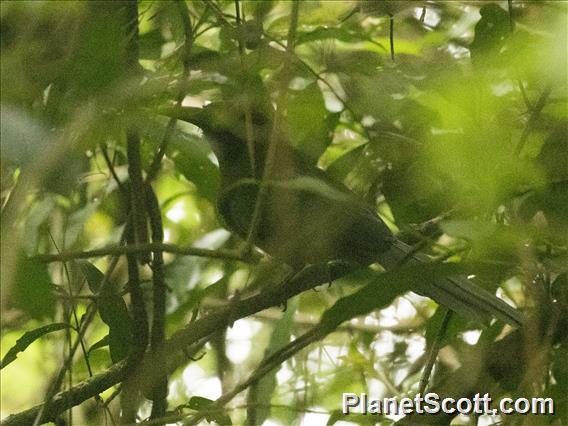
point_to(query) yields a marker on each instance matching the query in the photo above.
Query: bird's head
(224, 125)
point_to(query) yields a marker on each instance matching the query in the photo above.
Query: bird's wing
(304, 220)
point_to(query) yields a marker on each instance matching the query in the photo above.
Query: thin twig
(188, 45)
(190, 334)
(511, 20)
(274, 138)
(136, 233)
(391, 35)
(433, 354)
(263, 369)
(160, 388)
(534, 115)
(50, 403)
(111, 169)
(519, 81)
(120, 250)
(319, 77)
(73, 309)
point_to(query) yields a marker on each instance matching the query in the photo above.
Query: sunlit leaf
(27, 339)
(151, 44)
(309, 128)
(99, 344)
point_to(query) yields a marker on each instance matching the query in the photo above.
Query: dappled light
(242, 212)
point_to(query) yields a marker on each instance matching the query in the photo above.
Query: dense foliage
(121, 285)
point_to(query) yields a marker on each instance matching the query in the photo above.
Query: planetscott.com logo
(432, 403)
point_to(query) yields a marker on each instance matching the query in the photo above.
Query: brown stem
(433, 354)
(160, 388)
(189, 335)
(136, 232)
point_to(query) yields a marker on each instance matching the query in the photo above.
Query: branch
(115, 250)
(277, 295)
(70, 398)
(158, 331)
(269, 364)
(136, 233)
(434, 351)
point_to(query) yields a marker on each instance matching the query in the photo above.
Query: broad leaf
(99, 344)
(382, 290)
(114, 313)
(27, 339)
(92, 274)
(309, 128)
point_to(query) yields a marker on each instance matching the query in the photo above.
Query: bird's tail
(456, 293)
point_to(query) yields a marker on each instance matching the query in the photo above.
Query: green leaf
(310, 125)
(382, 290)
(220, 418)
(119, 341)
(341, 167)
(260, 395)
(31, 289)
(114, 313)
(192, 157)
(36, 217)
(150, 44)
(28, 338)
(92, 274)
(259, 9)
(76, 222)
(99, 344)
(433, 325)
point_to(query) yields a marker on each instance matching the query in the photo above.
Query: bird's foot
(336, 268)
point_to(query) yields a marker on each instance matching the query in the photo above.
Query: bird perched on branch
(303, 216)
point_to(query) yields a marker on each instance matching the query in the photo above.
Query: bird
(303, 216)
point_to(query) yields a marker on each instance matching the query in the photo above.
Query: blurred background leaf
(459, 144)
